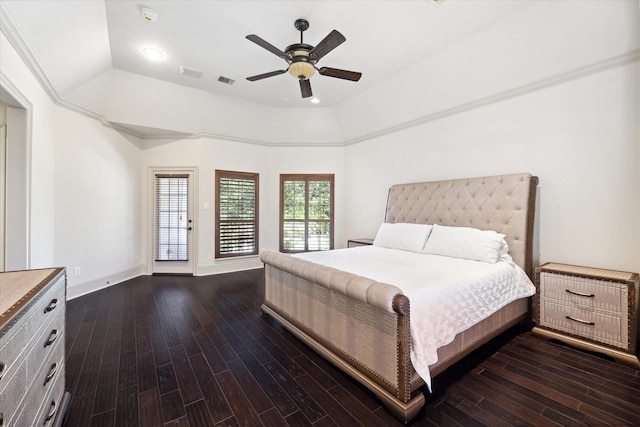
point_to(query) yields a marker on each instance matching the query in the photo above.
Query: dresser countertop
(15, 285)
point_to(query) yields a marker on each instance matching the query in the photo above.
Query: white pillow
(404, 236)
(465, 242)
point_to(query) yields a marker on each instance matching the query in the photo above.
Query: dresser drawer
(595, 325)
(583, 291)
(20, 337)
(44, 381)
(23, 351)
(23, 373)
(52, 403)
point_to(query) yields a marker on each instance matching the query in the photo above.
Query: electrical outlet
(77, 271)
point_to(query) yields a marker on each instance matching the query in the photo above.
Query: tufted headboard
(504, 203)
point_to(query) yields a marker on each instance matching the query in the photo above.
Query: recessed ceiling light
(315, 100)
(152, 53)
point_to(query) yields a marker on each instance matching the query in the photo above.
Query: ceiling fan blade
(266, 45)
(341, 74)
(265, 75)
(333, 40)
(305, 88)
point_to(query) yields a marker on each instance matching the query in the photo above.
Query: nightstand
(352, 243)
(589, 308)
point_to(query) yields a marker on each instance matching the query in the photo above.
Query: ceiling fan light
(301, 70)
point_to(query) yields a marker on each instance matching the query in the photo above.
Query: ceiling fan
(302, 58)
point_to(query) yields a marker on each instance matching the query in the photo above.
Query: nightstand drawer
(591, 308)
(595, 325)
(583, 291)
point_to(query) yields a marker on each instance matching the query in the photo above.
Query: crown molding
(607, 64)
(13, 36)
(266, 143)
(7, 86)
(10, 31)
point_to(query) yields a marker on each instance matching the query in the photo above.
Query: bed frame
(362, 326)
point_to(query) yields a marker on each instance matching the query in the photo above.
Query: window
(306, 213)
(236, 214)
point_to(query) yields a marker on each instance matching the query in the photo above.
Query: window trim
(306, 178)
(219, 175)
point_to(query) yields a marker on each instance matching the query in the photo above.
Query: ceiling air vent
(226, 80)
(189, 72)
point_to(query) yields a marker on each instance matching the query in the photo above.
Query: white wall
(549, 40)
(83, 188)
(554, 91)
(97, 203)
(209, 154)
(25, 89)
(124, 97)
(499, 111)
(581, 138)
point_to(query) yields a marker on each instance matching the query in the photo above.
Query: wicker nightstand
(590, 308)
(352, 243)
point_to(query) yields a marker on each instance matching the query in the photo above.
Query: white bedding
(448, 295)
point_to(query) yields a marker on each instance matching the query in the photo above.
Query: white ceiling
(75, 41)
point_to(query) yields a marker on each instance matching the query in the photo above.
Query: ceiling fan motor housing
(301, 66)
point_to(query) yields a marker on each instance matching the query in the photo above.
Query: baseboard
(230, 266)
(226, 266)
(103, 282)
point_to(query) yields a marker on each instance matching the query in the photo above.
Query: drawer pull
(580, 294)
(2, 366)
(52, 337)
(586, 322)
(52, 412)
(51, 374)
(51, 306)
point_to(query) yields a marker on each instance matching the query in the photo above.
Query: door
(172, 231)
(3, 198)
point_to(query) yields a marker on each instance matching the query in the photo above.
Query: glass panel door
(172, 223)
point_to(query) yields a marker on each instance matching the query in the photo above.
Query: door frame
(150, 228)
(3, 192)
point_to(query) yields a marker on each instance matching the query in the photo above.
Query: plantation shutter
(237, 214)
(172, 216)
(306, 212)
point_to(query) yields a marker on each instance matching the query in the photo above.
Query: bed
(363, 325)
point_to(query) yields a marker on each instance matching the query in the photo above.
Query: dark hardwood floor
(197, 351)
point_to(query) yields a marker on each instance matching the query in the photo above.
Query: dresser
(32, 353)
(590, 308)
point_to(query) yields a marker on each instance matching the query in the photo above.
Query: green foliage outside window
(306, 212)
